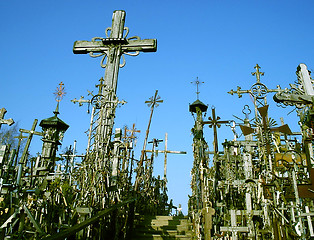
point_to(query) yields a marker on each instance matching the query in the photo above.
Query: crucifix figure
(5, 121)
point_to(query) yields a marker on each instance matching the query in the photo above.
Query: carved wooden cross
(214, 123)
(114, 46)
(5, 121)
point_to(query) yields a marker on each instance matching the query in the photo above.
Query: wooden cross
(298, 95)
(23, 157)
(153, 102)
(234, 228)
(214, 123)
(5, 121)
(114, 46)
(166, 151)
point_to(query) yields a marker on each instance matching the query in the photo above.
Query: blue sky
(218, 41)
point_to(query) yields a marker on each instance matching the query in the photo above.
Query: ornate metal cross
(197, 82)
(258, 90)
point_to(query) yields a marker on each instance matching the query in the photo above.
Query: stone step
(162, 227)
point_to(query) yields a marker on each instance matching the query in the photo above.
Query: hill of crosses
(261, 186)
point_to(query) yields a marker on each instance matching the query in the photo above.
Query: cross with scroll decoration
(215, 122)
(258, 90)
(113, 46)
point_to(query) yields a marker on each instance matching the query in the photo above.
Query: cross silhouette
(214, 123)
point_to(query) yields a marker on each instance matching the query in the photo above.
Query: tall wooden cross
(214, 123)
(5, 121)
(114, 46)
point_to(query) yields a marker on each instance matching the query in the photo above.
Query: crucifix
(214, 123)
(9, 121)
(112, 48)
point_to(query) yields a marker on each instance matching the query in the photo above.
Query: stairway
(162, 228)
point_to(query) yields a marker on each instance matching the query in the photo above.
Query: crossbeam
(9, 121)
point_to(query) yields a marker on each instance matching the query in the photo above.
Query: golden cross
(258, 74)
(59, 93)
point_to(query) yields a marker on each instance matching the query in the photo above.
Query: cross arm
(144, 45)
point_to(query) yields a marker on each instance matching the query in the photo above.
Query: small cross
(59, 93)
(132, 131)
(153, 101)
(197, 82)
(214, 123)
(5, 121)
(100, 85)
(258, 74)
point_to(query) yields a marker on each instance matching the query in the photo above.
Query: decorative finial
(258, 74)
(197, 82)
(59, 93)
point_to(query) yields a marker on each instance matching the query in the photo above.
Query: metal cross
(258, 90)
(214, 123)
(197, 82)
(59, 93)
(9, 121)
(258, 74)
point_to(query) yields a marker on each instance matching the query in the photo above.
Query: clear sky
(219, 42)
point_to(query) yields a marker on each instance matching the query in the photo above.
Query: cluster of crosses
(260, 187)
(94, 195)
